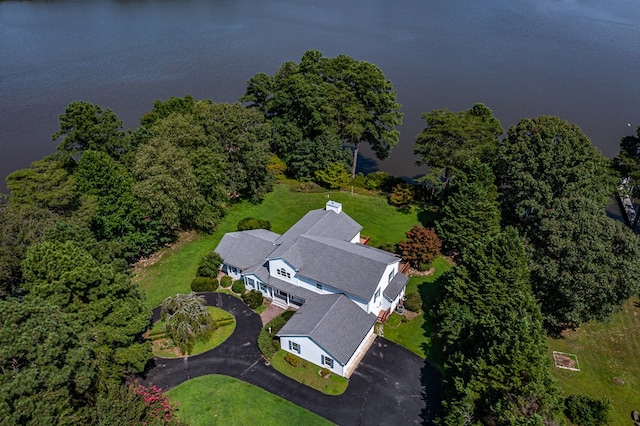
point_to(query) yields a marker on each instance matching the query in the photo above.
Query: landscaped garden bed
(163, 346)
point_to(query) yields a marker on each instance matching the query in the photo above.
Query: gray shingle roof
(262, 273)
(395, 286)
(334, 322)
(246, 248)
(322, 223)
(353, 268)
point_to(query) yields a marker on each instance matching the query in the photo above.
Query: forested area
(522, 214)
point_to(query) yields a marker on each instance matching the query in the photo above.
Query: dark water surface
(578, 59)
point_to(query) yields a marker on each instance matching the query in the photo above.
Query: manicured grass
(173, 272)
(308, 374)
(606, 352)
(223, 400)
(221, 334)
(416, 334)
(260, 309)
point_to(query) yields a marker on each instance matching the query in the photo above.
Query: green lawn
(221, 334)
(215, 399)
(176, 268)
(415, 334)
(606, 352)
(307, 374)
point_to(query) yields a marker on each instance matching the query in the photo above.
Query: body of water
(578, 59)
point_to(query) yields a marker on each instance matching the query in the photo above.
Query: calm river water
(578, 59)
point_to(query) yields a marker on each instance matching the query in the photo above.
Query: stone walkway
(270, 313)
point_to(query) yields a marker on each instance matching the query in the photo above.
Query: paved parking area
(391, 386)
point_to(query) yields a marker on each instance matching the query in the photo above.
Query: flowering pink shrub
(158, 405)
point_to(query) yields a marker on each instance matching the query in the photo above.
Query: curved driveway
(390, 386)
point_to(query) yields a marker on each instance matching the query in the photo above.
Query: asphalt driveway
(391, 385)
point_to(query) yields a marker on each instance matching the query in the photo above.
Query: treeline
(525, 218)
(523, 215)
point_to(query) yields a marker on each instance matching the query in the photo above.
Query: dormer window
(283, 272)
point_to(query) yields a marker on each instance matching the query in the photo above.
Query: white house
(340, 286)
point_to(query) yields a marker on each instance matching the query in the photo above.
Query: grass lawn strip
(415, 334)
(308, 374)
(173, 271)
(222, 333)
(609, 366)
(223, 400)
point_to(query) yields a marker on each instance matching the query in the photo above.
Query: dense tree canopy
(544, 159)
(86, 126)
(106, 302)
(471, 210)
(450, 139)
(627, 162)
(584, 264)
(338, 98)
(493, 341)
(47, 365)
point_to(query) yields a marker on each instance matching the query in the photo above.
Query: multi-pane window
(251, 283)
(375, 296)
(283, 272)
(327, 361)
(319, 286)
(293, 346)
(391, 275)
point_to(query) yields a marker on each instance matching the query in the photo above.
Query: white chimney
(334, 205)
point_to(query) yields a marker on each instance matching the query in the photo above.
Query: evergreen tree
(471, 209)
(493, 340)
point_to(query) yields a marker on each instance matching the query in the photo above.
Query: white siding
(310, 351)
(280, 264)
(356, 239)
(377, 304)
(232, 271)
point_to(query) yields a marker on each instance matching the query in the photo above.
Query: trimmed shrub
(238, 287)
(253, 298)
(226, 281)
(401, 195)
(209, 265)
(200, 284)
(252, 223)
(585, 411)
(391, 248)
(325, 373)
(293, 360)
(413, 302)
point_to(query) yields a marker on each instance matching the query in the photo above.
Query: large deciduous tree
(450, 139)
(584, 265)
(496, 369)
(421, 247)
(332, 97)
(471, 210)
(544, 159)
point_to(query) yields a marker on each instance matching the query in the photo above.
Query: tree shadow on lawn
(431, 374)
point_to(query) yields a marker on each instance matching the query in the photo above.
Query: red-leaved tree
(421, 247)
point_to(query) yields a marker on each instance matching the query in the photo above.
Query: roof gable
(334, 322)
(246, 248)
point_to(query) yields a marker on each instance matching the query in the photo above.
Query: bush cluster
(306, 187)
(253, 298)
(585, 411)
(226, 281)
(413, 302)
(267, 341)
(209, 265)
(325, 372)
(238, 287)
(200, 284)
(252, 223)
(293, 360)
